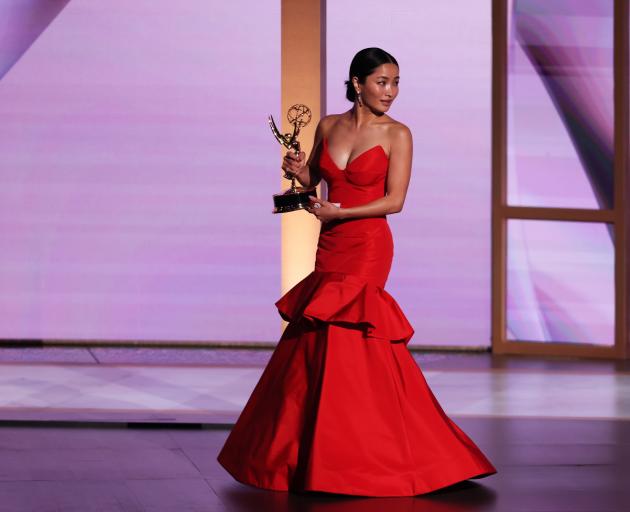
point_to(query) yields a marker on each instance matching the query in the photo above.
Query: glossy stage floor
(124, 429)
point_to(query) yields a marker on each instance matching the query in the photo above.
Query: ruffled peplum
(349, 301)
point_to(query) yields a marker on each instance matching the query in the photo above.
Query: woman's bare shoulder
(329, 121)
(330, 118)
(399, 132)
(396, 127)
(325, 125)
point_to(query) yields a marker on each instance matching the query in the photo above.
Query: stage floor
(114, 429)
(212, 385)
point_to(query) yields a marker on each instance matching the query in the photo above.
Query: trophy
(294, 198)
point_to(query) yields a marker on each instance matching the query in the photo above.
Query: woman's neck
(363, 116)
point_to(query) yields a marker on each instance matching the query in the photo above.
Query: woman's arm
(306, 173)
(398, 176)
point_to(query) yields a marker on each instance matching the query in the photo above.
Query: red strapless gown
(342, 405)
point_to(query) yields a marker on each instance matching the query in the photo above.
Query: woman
(342, 405)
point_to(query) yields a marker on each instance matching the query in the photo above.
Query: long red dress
(342, 406)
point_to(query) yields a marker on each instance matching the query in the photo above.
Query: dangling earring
(360, 100)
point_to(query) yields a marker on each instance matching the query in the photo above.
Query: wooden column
(622, 185)
(499, 168)
(303, 81)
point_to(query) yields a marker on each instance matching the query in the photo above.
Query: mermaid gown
(342, 406)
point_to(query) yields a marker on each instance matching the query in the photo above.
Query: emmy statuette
(294, 198)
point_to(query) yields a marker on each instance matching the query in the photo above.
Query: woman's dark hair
(363, 64)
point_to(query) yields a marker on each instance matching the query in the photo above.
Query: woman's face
(380, 88)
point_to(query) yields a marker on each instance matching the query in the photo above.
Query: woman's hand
(293, 164)
(323, 210)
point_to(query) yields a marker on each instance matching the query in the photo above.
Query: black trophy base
(292, 200)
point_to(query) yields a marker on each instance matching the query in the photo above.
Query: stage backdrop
(136, 167)
(441, 270)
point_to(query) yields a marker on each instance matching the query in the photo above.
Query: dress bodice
(362, 181)
(362, 246)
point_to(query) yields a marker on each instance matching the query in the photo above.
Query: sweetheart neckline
(325, 140)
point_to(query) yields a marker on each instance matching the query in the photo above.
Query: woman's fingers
(317, 203)
(290, 167)
(313, 206)
(292, 156)
(292, 163)
(323, 210)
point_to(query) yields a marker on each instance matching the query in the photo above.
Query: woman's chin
(379, 109)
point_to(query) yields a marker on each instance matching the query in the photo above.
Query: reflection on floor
(81, 430)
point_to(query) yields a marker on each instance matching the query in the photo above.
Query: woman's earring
(359, 99)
